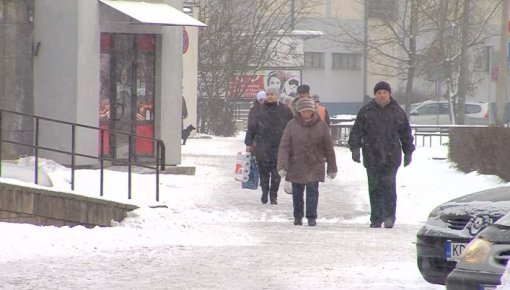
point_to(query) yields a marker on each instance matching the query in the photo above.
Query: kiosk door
(127, 93)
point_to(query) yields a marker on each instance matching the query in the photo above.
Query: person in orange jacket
(323, 111)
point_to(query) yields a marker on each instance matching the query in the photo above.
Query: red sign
(251, 84)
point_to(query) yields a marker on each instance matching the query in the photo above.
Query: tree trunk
(464, 66)
(412, 54)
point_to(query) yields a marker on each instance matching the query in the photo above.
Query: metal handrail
(159, 158)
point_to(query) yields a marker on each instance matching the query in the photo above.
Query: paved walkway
(270, 252)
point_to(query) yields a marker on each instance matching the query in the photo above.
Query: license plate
(453, 251)
(487, 287)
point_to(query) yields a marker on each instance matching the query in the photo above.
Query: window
(314, 60)
(346, 61)
(473, 109)
(383, 9)
(482, 59)
(432, 109)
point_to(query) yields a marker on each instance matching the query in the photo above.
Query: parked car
(438, 113)
(484, 259)
(452, 225)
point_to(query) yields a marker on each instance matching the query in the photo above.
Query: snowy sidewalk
(215, 235)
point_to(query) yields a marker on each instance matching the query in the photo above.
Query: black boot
(263, 199)
(298, 221)
(312, 222)
(389, 222)
(273, 197)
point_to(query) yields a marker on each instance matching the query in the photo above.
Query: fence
(157, 164)
(424, 135)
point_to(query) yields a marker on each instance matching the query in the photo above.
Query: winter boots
(264, 197)
(299, 222)
(389, 222)
(273, 198)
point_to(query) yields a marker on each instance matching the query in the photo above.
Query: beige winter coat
(304, 149)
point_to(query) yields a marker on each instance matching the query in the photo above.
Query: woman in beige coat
(304, 148)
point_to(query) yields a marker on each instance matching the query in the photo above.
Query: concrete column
(16, 94)
(170, 104)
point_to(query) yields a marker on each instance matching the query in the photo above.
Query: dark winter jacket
(382, 133)
(267, 130)
(252, 117)
(304, 148)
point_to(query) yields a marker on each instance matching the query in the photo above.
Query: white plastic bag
(287, 187)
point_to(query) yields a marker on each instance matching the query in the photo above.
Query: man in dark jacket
(383, 132)
(263, 138)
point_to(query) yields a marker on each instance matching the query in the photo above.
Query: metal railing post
(163, 154)
(158, 149)
(101, 161)
(129, 165)
(73, 145)
(1, 140)
(36, 150)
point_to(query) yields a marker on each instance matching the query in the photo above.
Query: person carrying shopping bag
(262, 139)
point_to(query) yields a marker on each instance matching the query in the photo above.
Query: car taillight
(486, 116)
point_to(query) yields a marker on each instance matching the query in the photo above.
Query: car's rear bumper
(431, 259)
(460, 279)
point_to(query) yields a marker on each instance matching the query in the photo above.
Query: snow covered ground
(215, 235)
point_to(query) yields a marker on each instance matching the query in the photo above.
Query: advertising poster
(286, 81)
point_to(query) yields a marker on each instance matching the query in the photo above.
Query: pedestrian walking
(257, 104)
(303, 91)
(323, 111)
(263, 138)
(305, 147)
(382, 131)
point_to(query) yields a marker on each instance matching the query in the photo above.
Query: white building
(113, 64)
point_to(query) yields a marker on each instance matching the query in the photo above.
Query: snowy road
(215, 235)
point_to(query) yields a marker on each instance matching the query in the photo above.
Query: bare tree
(241, 38)
(392, 41)
(425, 38)
(461, 28)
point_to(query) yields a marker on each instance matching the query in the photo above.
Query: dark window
(346, 61)
(383, 9)
(314, 60)
(473, 109)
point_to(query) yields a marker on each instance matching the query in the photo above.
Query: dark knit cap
(303, 89)
(305, 104)
(382, 86)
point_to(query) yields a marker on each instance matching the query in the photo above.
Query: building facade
(112, 64)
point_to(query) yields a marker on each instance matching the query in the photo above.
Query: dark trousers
(312, 199)
(269, 178)
(383, 194)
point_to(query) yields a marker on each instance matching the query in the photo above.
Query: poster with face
(286, 81)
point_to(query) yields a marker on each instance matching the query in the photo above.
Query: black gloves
(407, 159)
(356, 155)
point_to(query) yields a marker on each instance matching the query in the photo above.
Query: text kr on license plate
(453, 251)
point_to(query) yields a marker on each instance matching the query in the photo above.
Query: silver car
(452, 225)
(484, 259)
(438, 113)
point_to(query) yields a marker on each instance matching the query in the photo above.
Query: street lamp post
(503, 67)
(365, 47)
